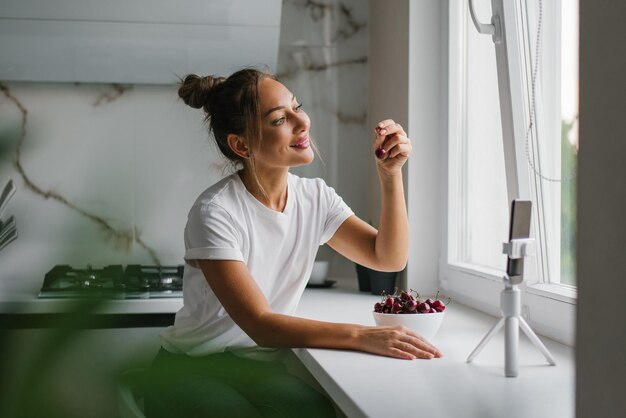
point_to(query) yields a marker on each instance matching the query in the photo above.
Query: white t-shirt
(227, 223)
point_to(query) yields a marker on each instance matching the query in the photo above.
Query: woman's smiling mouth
(302, 143)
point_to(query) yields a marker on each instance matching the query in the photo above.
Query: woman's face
(285, 129)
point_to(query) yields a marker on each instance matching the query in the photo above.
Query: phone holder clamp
(519, 248)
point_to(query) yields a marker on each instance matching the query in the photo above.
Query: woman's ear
(238, 145)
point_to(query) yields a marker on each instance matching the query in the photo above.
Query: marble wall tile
(324, 22)
(133, 164)
(78, 161)
(174, 163)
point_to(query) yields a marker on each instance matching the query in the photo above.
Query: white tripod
(510, 306)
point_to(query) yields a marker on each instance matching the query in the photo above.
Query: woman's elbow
(259, 331)
(401, 266)
(392, 265)
(262, 339)
(396, 267)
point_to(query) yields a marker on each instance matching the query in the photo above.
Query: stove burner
(113, 282)
(164, 279)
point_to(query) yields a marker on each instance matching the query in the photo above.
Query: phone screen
(519, 227)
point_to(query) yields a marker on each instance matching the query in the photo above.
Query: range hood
(134, 41)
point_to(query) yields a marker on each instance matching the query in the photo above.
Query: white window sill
(365, 385)
(561, 293)
(549, 309)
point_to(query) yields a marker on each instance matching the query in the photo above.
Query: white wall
(601, 316)
(410, 88)
(388, 76)
(427, 113)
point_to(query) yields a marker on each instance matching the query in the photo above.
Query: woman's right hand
(396, 341)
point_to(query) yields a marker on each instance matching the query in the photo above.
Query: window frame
(548, 307)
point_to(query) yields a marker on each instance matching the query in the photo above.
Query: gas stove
(113, 282)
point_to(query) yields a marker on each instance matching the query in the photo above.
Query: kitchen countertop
(30, 304)
(365, 385)
(26, 311)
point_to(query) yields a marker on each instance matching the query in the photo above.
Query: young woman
(251, 240)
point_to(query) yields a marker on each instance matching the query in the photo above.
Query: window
(552, 36)
(542, 38)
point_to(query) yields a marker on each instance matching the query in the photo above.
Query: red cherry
(423, 307)
(410, 306)
(397, 308)
(380, 153)
(404, 302)
(438, 305)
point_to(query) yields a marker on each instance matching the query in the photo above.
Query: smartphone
(519, 227)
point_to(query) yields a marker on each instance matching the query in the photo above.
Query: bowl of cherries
(423, 316)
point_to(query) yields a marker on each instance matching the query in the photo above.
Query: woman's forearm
(393, 148)
(392, 241)
(276, 330)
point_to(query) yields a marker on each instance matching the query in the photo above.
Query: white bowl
(425, 324)
(319, 272)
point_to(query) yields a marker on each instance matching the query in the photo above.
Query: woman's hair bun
(196, 90)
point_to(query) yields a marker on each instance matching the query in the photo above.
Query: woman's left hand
(396, 146)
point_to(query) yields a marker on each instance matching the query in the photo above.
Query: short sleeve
(337, 212)
(211, 234)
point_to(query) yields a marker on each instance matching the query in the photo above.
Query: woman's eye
(279, 121)
(282, 119)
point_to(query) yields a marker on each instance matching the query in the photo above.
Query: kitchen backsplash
(106, 174)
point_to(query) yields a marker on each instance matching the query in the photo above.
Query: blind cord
(531, 123)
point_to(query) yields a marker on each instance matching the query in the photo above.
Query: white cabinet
(134, 41)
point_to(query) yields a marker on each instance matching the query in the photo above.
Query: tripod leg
(486, 339)
(511, 344)
(536, 341)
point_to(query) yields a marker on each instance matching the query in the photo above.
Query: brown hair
(231, 105)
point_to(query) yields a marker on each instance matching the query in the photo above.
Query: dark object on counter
(376, 282)
(325, 284)
(7, 193)
(71, 320)
(363, 276)
(382, 281)
(8, 229)
(113, 282)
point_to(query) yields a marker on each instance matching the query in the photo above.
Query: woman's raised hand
(392, 147)
(397, 341)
